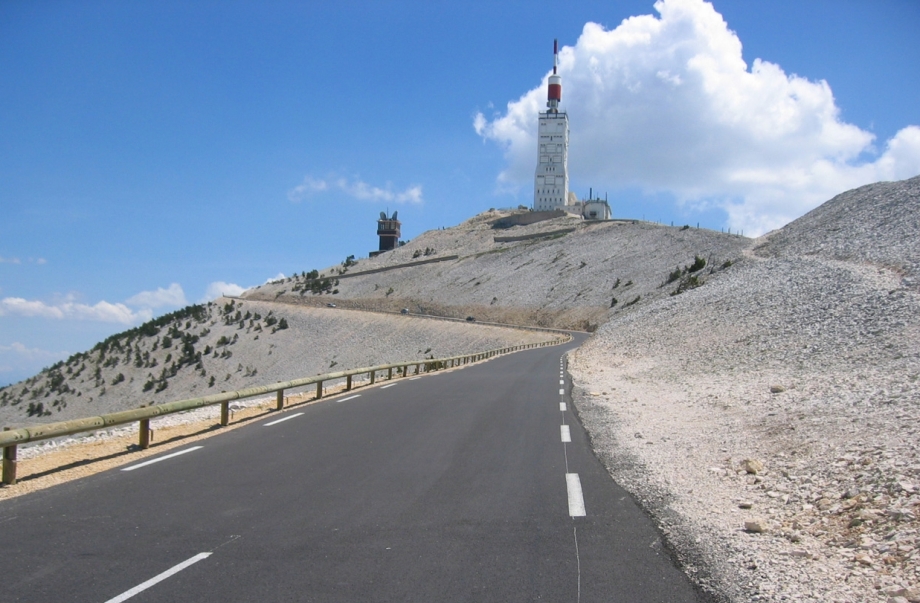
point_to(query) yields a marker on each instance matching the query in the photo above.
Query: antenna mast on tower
(554, 90)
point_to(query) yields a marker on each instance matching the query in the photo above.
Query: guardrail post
(373, 375)
(224, 413)
(417, 368)
(390, 374)
(348, 383)
(280, 400)
(143, 433)
(9, 465)
(319, 390)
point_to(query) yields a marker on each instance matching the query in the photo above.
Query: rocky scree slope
(570, 275)
(232, 344)
(770, 420)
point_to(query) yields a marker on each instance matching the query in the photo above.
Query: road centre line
(576, 498)
(562, 406)
(162, 458)
(414, 378)
(276, 421)
(566, 434)
(386, 386)
(561, 392)
(158, 578)
(561, 382)
(349, 398)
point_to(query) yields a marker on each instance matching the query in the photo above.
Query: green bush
(698, 264)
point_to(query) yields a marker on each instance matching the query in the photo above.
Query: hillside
(231, 344)
(571, 274)
(804, 357)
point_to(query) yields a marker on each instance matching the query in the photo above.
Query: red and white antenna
(554, 91)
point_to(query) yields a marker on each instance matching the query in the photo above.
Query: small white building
(595, 209)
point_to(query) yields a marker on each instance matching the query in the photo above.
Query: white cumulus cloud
(22, 351)
(219, 288)
(69, 308)
(102, 311)
(668, 104)
(356, 188)
(172, 296)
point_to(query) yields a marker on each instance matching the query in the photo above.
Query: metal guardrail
(11, 438)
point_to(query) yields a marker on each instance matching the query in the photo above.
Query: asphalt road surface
(467, 485)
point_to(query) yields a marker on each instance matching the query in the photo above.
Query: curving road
(469, 485)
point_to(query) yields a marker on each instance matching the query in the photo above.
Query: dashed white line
(561, 392)
(561, 382)
(566, 434)
(349, 398)
(562, 406)
(162, 458)
(414, 378)
(158, 578)
(287, 418)
(576, 498)
(386, 386)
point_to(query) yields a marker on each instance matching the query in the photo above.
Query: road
(456, 486)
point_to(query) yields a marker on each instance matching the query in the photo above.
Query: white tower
(551, 184)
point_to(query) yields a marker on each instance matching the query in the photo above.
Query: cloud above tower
(667, 104)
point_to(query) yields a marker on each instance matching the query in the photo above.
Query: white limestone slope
(805, 357)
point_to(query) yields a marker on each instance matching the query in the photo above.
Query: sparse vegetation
(691, 281)
(697, 265)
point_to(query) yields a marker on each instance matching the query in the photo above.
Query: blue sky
(155, 153)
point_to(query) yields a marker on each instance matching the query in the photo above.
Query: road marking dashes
(349, 398)
(414, 378)
(561, 392)
(562, 406)
(386, 386)
(162, 458)
(287, 418)
(576, 498)
(158, 578)
(561, 382)
(566, 434)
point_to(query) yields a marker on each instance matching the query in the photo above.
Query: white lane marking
(562, 406)
(561, 382)
(276, 421)
(561, 392)
(386, 386)
(162, 458)
(566, 434)
(576, 498)
(349, 398)
(158, 578)
(414, 378)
